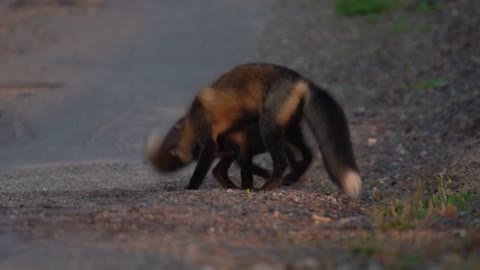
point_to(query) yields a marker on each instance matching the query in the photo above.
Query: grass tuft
(401, 25)
(425, 7)
(431, 84)
(420, 210)
(362, 7)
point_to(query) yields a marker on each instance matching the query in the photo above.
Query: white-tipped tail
(352, 184)
(153, 143)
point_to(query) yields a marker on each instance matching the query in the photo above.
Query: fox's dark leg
(295, 137)
(290, 155)
(272, 137)
(283, 104)
(259, 171)
(246, 170)
(205, 160)
(220, 172)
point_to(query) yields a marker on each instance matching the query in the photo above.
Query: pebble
(264, 266)
(307, 263)
(371, 141)
(321, 219)
(401, 150)
(360, 111)
(460, 232)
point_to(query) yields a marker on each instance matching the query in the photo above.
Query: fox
(275, 100)
(239, 146)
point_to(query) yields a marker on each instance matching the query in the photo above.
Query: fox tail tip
(352, 184)
(152, 144)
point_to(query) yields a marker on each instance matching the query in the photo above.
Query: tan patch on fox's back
(290, 104)
(252, 100)
(222, 109)
(245, 85)
(226, 104)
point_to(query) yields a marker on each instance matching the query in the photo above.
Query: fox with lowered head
(256, 108)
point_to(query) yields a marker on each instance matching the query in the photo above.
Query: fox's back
(253, 77)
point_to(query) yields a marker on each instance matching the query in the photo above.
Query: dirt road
(83, 82)
(81, 85)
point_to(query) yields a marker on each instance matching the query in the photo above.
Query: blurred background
(86, 79)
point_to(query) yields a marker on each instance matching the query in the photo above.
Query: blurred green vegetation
(362, 7)
(375, 7)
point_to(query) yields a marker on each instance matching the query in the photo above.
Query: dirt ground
(409, 82)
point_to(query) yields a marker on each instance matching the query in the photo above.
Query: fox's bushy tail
(329, 126)
(152, 146)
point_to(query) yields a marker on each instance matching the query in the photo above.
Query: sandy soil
(115, 213)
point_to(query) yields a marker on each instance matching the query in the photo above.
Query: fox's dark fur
(237, 145)
(243, 145)
(275, 99)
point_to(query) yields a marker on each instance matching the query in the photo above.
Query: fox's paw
(271, 184)
(352, 184)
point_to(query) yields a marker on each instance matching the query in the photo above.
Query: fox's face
(170, 154)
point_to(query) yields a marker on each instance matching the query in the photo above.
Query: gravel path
(97, 205)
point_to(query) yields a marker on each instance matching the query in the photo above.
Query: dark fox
(238, 145)
(274, 99)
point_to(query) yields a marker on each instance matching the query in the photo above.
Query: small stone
(360, 111)
(401, 150)
(460, 232)
(371, 141)
(350, 220)
(321, 219)
(265, 266)
(308, 263)
(276, 214)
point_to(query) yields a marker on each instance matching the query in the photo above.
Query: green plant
(425, 7)
(403, 215)
(446, 198)
(426, 26)
(374, 7)
(365, 250)
(408, 261)
(362, 7)
(365, 245)
(401, 25)
(326, 187)
(431, 84)
(248, 192)
(420, 210)
(371, 55)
